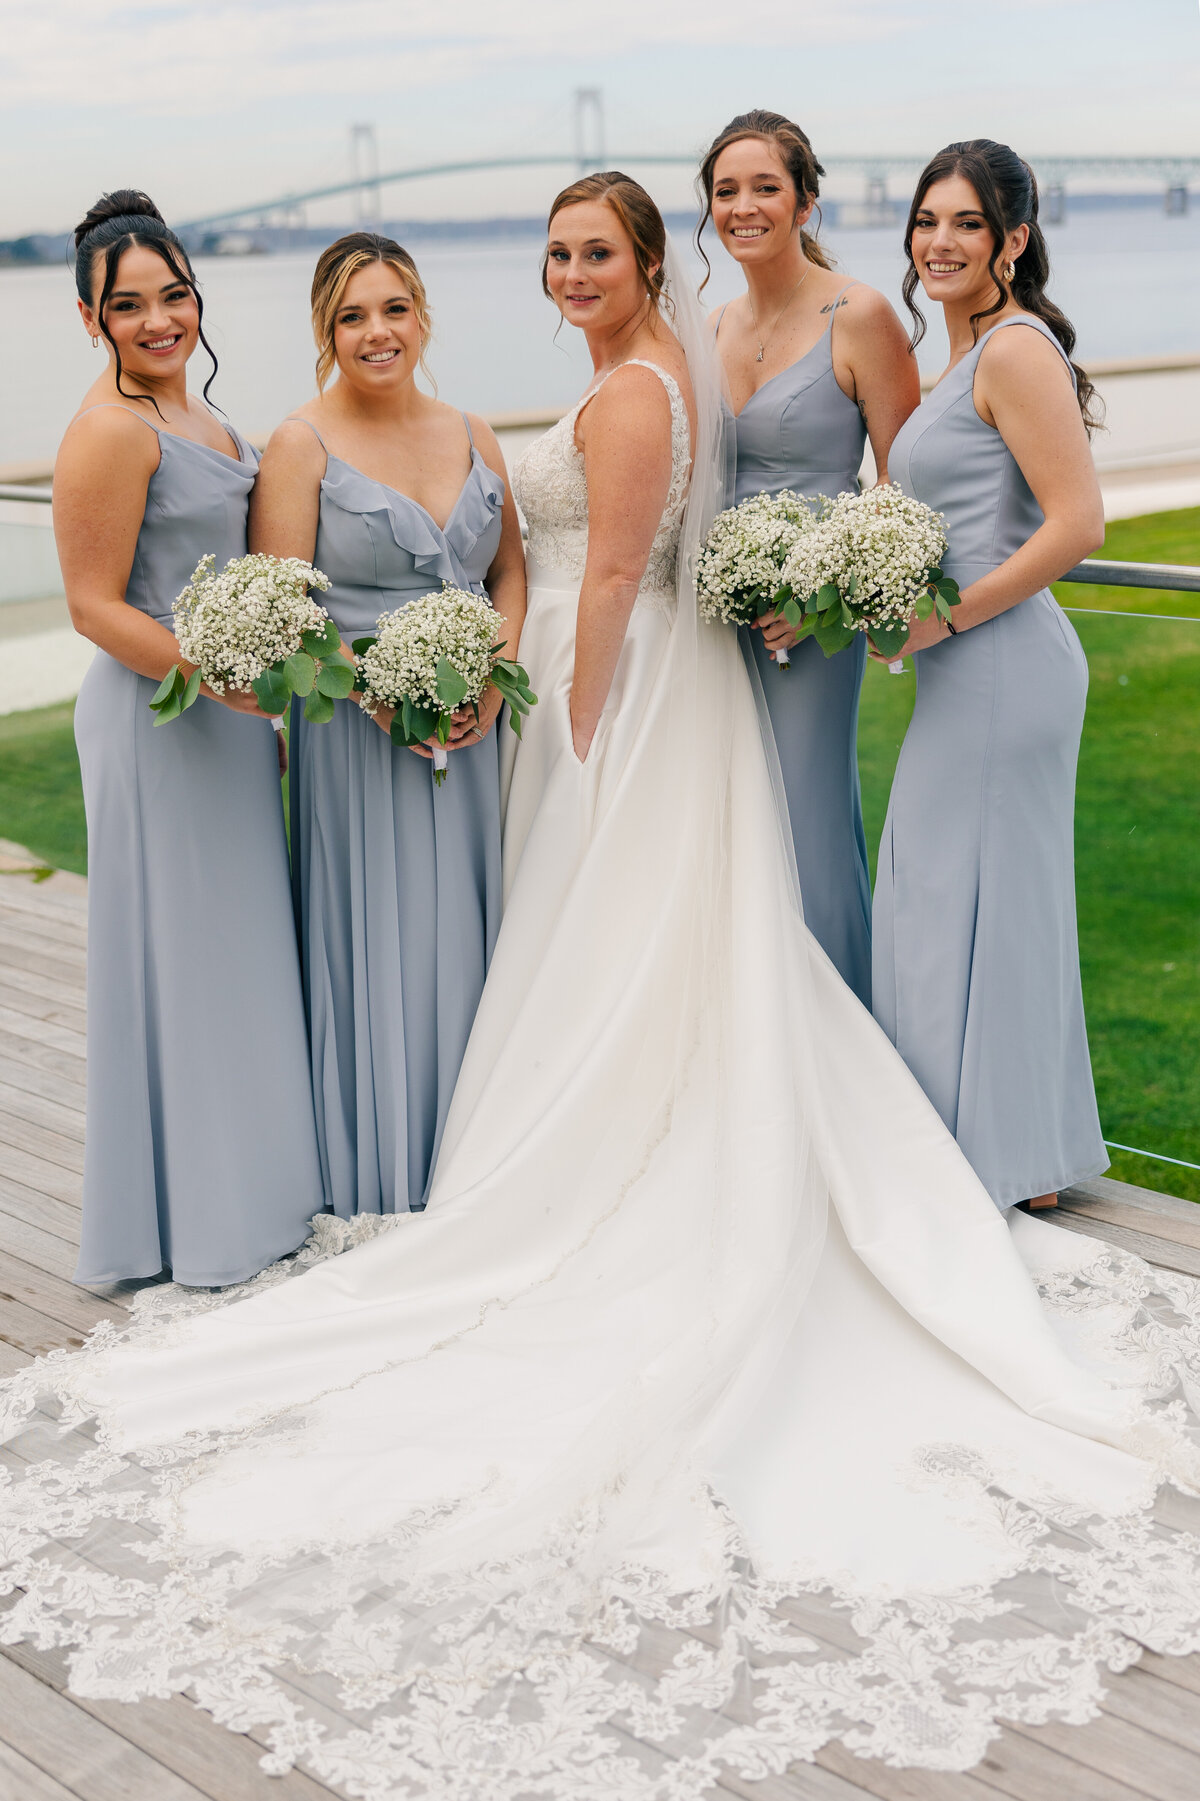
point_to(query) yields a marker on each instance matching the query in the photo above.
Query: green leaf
(318, 708)
(948, 589)
(847, 616)
(835, 637)
(191, 692)
(452, 689)
(828, 597)
(419, 723)
(335, 678)
(852, 585)
(813, 604)
(791, 612)
(831, 615)
(782, 595)
(301, 672)
(272, 690)
(924, 604)
(361, 645)
(445, 721)
(890, 640)
(166, 689)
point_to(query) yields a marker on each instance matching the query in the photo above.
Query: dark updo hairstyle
(1008, 196)
(637, 213)
(795, 153)
(116, 222)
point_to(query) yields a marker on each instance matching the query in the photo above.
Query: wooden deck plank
(28, 1078)
(1184, 1672)
(1113, 1747)
(1162, 1708)
(68, 1745)
(222, 1765)
(25, 911)
(1138, 1209)
(36, 1208)
(42, 1031)
(27, 1050)
(12, 1359)
(56, 991)
(32, 1331)
(42, 1111)
(75, 1309)
(21, 1780)
(25, 1169)
(20, 940)
(57, 1256)
(1162, 1252)
(18, 1134)
(41, 1006)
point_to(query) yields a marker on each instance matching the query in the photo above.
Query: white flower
(744, 553)
(235, 625)
(403, 661)
(876, 548)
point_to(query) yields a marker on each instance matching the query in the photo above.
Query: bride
(710, 1411)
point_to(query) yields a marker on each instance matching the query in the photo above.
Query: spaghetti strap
(296, 419)
(116, 406)
(470, 434)
(836, 302)
(718, 319)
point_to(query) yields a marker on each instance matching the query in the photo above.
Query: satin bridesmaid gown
(201, 1153)
(976, 976)
(800, 431)
(397, 881)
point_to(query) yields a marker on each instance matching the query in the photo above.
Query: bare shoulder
(635, 390)
(1018, 358)
(294, 445)
(865, 310)
(106, 442)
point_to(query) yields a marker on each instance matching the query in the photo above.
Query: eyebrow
(557, 243)
(355, 306)
(136, 293)
(967, 212)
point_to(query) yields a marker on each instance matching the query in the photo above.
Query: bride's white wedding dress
(708, 1413)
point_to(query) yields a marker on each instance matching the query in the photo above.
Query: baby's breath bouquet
(871, 561)
(738, 572)
(255, 628)
(435, 654)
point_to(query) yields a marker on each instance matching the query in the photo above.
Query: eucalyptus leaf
(191, 690)
(835, 637)
(272, 690)
(924, 604)
(361, 645)
(890, 640)
(318, 708)
(335, 678)
(172, 680)
(828, 596)
(452, 689)
(301, 672)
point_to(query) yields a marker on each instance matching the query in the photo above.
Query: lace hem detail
(540, 1677)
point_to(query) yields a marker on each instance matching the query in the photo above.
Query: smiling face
(376, 331)
(592, 269)
(152, 317)
(952, 245)
(754, 203)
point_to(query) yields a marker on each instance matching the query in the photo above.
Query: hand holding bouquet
(432, 656)
(255, 628)
(739, 571)
(872, 560)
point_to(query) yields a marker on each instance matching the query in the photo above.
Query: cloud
(185, 56)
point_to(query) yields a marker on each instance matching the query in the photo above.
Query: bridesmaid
(815, 362)
(976, 954)
(201, 1154)
(397, 882)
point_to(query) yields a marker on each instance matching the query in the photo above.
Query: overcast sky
(207, 103)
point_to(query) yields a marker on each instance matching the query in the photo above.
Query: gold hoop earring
(1010, 271)
(96, 341)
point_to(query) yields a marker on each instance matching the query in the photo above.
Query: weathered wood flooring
(53, 1746)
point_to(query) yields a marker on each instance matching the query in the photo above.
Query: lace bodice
(551, 491)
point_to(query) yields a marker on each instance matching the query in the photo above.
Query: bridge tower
(589, 130)
(364, 167)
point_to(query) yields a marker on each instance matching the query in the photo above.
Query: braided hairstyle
(1008, 196)
(796, 154)
(117, 222)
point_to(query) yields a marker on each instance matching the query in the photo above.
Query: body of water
(1128, 279)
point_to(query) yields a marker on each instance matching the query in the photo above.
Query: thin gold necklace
(763, 342)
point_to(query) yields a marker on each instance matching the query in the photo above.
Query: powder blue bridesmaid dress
(800, 431)
(976, 952)
(201, 1153)
(397, 882)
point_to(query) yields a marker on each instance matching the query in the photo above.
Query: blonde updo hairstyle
(795, 153)
(335, 268)
(638, 214)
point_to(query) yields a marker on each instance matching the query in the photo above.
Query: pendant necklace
(763, 342)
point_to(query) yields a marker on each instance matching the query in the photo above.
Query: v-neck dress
(396, 881)
(201, 1153)
(800, 431)
(976, 949)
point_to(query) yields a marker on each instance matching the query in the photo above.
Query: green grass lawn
(1137, 846)
(1137, 839)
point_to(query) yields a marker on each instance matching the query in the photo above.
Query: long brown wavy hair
(798, 158)
(1008, 196)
